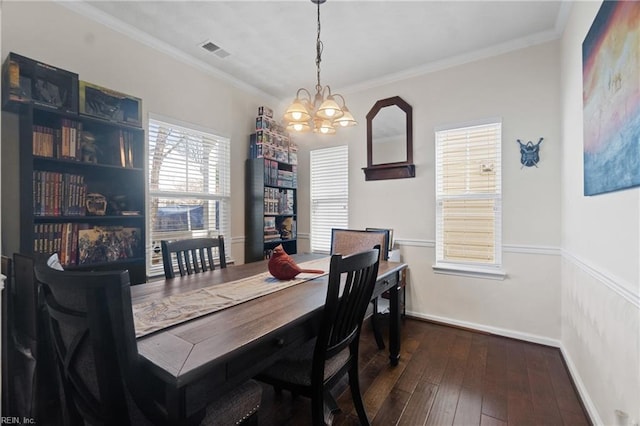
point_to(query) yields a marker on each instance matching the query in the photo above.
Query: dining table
(211, 353)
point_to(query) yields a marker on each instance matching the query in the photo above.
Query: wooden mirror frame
(397, 170)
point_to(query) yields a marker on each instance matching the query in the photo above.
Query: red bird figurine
(283, 267)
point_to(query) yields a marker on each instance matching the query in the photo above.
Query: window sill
(470, 271)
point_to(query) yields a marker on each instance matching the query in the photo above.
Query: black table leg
(375, 324)
(394, 324)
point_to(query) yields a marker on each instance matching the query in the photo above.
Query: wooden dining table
(215, 352)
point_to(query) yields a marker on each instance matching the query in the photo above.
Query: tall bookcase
(271, 190)
(80, 178)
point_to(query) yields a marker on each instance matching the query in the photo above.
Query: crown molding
(85, 9)
(476, 55)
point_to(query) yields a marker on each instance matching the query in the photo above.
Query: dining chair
(349, 241)
(102, 379)
(7, 314)
(192, 256)
(315, 367)
(30, 390)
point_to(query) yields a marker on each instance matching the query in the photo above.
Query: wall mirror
(390, 140)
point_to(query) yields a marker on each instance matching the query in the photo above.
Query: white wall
(51, 33)
(522, 88)
(601, 259)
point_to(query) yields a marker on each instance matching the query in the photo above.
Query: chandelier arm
(302, 89)
(344, 103)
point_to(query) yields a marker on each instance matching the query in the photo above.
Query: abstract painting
(611, 96)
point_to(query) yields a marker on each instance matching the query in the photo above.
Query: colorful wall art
(611, 96)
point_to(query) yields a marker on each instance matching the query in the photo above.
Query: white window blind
(469, 195)
(329, 195)
(189, 189)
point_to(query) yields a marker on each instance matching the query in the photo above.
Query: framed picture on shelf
(107, 244)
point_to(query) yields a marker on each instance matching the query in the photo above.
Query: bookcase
(271, 190)
(79, 178)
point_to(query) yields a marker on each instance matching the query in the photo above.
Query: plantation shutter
(468, 194)
(329, 195)
(189, 186)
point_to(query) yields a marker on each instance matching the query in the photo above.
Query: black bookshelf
(260, 241)
(73, 184)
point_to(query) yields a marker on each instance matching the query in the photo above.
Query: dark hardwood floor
(448, 376)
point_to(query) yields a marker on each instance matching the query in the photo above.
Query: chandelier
(322, 114)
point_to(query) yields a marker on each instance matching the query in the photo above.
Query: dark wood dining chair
(192, 256)
(314, 368)
(29, 384)
(349, 241)
(102, 379)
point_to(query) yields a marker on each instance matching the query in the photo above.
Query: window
(469, 200)
(329, 195)
(189, 190)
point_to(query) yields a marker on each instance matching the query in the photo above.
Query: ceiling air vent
(214, 48)
(207, 45)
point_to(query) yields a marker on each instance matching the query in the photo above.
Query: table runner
(172, 310)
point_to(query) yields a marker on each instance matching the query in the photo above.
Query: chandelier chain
(319, 48)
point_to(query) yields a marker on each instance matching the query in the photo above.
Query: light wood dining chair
(314, 368)
(192, 256)
(103, 381)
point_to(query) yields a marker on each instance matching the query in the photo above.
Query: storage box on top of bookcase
(265, 111)
(110, 105)
(25, 80)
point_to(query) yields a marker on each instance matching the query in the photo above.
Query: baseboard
(581, 389)
(527, 337)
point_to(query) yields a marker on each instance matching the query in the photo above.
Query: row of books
(61, 238)
(276, 176)
(58, 143)
(80, 243)
(278, 201)
(125, 140)
(58, 194)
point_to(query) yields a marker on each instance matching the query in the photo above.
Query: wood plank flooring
(448, 376)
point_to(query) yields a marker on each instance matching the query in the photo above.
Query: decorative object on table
(96, 204)
(322, 113)
(611, 82)
(283, 267)
(110, 105)
(529, 154)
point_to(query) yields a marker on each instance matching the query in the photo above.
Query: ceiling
(271, 44)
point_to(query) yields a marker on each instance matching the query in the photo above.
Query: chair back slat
(344, 310)
(192, 256)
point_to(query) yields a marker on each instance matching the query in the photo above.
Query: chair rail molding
(616, 284)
